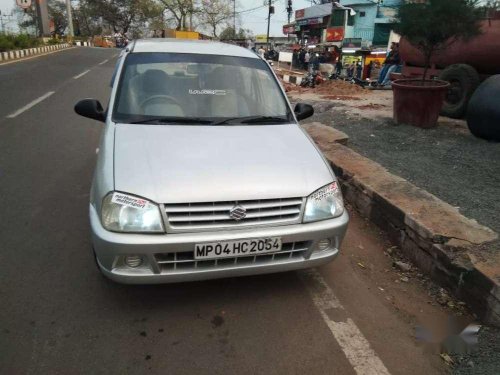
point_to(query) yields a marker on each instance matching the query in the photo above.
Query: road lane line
(103, 62)
(29, 105)
(356, 348)
(81, 74)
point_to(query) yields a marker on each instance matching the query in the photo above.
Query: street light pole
(71, 32)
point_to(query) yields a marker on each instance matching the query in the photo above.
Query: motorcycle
(309, 80)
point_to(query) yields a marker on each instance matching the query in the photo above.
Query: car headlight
(324, 203)
(126, 213)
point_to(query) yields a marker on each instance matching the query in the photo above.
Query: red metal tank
(481, 52)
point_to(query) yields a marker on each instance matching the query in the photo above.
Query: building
(367, 23)
(359, 30)
(370, 21)
(310, 24)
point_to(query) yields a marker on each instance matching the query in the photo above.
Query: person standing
(315, 62)
(295, 58)
(369, 70)
(338, 66)
(359, 70)
(262, 51)
(350, 70)
(307, 58)
(302, 55)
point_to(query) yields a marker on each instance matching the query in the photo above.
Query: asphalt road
(58, 315)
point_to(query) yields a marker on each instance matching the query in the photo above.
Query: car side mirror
(90, 108)
(303, 111)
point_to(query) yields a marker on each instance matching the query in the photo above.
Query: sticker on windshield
(207, 92)
(126, 200)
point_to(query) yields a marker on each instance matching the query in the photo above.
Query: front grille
(207, 215)
(184, 261)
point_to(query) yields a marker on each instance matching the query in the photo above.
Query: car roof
(202, 47)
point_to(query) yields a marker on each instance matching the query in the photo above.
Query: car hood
(183, 163)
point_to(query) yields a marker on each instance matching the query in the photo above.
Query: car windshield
(168, 88)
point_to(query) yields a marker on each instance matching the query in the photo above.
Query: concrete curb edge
(455, 252)
(19, 54)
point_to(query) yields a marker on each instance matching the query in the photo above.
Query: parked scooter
(310, 79)
(352, 80)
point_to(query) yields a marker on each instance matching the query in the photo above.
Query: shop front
(311, 23)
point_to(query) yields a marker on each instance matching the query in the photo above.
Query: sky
(255, 20)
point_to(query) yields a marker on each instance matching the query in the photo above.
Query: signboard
(262, 38)
(315, 21)
(288, 29)
(302, 22)
(285, 57)
(24, 4)
(334, 34)
(299, 13)
(352, 42)
(321, 10)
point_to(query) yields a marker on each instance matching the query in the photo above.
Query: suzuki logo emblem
(238, 212)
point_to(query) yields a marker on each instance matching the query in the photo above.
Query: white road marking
(29, 105)
(103, 62)
(81, 74)
(352, 342)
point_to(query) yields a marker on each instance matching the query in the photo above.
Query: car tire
(483, 112)
(463, 80)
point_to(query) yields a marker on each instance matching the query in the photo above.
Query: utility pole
(271, 11)
(71, 32)
(234, 18)
(43, 17)
(289, 10)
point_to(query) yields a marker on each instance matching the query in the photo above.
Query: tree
(434, 25)
(181, 11)
(228, 34)
(215, 13)
(86, 20)
(121, 15)
(57, 13)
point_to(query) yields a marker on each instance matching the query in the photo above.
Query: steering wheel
(164, 98)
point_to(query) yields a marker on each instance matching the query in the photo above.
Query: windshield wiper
(253, 120)
(172, 120)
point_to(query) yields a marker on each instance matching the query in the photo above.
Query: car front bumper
(168, 257)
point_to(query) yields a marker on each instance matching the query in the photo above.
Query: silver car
(203, 171)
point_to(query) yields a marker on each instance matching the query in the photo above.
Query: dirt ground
(448, 161)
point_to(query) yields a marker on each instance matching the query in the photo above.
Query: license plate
(228, 249)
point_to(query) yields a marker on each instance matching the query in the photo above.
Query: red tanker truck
(464, 65)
